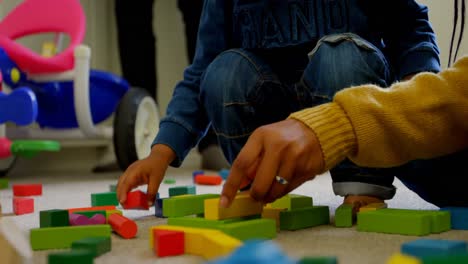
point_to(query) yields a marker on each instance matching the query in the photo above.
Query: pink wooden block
(78, 220)
(98, 219)
(23, 205)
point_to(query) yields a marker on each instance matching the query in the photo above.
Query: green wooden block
(344, 216)
(440, 220)
(107, 198)
(63, 237)
(185, 205)
(304, 217)
(293, 201)
(53, 218)
(96, 245)
(394, 222)
(90, 214)
(169, 181)
(318, 260)
(113, 188)
(262, 228)
(3, 183)
(453, 259)
(200, 222)
(181, 190)
(71, 257)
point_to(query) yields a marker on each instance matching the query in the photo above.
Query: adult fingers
(286, 172)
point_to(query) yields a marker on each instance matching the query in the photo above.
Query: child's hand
(288, 149)
(149, 171)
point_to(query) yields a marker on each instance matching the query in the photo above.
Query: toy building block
(23, 205)
(403, 221)
(158, 207)
(136, 200)
(242, 205)
(63, 237)
(224, 173)
(292, 201)
(318, 260)
(71, 257)
(168, 242)
(169, 181)
(79, 220)
(208, 179)
(197, 172)
(251, 229)
(109, 212)
(202, 242)
(96, 245)
(185, 205)
(14, 247)
(433, 247)
(91, 213)
(53, 218)
(107, 198)
(373, 207)
(304, 217)
(98, 219)
(180, 190)
(344, 216)
(123, 226)
(94, 208)
(452, 259)
(403, 259)
(274, 214)
(27, 189)
(3, 183)
(459, 217)
(201, 222)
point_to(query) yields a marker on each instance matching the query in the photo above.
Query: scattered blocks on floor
(169, 181)
(79, 220)
(181, 190)
(459, 217)
(242, 205)
(96, 245)
(136, 200)
(23, 205)
(158, 207)
(251, 229)
(101, 199)
(292, 201)
(94, 208)
(403, 221)
(27, 189)
(208, 179)
(344, 216)
(3, 183)
(433, 247)
(123, 226)
(168, 242)
(304, 217)
(452, 259)
(63, 237)
(92, 213)
(71, 257)
(197, 172)
(185, 205)
(403, 259)
(53, 218)
(274, 214)
(109, 212)
(318, 260)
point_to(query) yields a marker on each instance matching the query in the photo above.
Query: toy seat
(43, 16)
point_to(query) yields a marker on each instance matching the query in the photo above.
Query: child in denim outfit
(257, 61)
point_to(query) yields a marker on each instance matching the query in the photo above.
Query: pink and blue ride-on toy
(68, 98)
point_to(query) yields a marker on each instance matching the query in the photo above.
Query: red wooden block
(168, 242)
(23, 205)
(123, 226)
(136, 200)
(27, 189)
(208, 179)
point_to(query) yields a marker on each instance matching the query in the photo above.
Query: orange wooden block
(208, 179)
(94, 208)
(123, 226)
(27, 189)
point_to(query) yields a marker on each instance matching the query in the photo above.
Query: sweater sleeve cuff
(419, 61)
(177, 137)
(333, 130)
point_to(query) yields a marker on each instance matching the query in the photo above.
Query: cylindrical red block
(208, 179)
(123, 226)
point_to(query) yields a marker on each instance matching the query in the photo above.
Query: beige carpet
(350, 246)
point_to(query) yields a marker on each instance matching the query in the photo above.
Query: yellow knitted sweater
(374, 127)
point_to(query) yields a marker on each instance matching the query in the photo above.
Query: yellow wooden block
(373, 207)
(273, 213)
(243, 205)
(109, 212)
(202, 242)
(403, 259)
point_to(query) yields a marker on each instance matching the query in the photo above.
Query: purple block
(79, 220)
(97, 219)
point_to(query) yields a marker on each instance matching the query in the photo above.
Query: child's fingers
(154, 182)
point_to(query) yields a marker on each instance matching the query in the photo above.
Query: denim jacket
(400, 28)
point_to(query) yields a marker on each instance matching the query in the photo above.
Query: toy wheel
(136, 124)
(6, 165)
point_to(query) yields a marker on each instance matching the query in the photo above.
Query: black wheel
(136, 124)
(6, 165)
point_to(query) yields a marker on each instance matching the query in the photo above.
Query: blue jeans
(241, 92)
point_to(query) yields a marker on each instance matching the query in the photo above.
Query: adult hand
(149, 171)
(288, 149)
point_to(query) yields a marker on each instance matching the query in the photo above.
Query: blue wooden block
(434, 247)
(224, 173)
(197, 172)
(158, 207)
(459, 217)
(181, 190)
